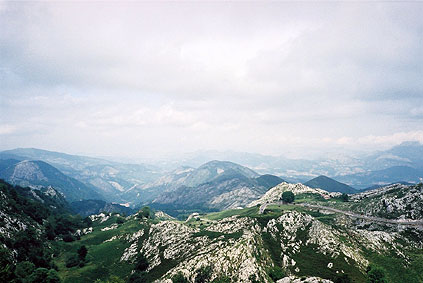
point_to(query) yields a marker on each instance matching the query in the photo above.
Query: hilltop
(330, 185)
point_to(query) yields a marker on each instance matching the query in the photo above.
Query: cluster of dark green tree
(376, 274)
(78, 258)
(43, 219)
(24, 271)
(145, 212)
(288, 197)
(140, 274)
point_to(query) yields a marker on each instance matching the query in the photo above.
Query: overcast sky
(142, 79)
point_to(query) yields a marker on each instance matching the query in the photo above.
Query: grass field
(103, 258)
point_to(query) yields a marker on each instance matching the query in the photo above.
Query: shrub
(82, 252)
(24, 269)
(6, 265)
(138, 277)
(142, 263)
(344, 278)
(52, 276)
(68, 238)
(376, 274)
(222, 279)
(179, 278)
(120, 220)
(145, 212)
(276, 273)
(204, 274)
(39, 275)
(72, 260)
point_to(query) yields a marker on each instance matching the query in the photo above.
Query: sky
(130, 78)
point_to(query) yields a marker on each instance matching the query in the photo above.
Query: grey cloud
(210, 74)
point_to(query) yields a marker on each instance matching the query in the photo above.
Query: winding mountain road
(406, 222)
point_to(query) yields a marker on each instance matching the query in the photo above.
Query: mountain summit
(330, 185)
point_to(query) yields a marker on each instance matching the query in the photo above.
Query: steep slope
(330, 185)
(269, 181)
(40, 174)
(112, 178)
(30, 222)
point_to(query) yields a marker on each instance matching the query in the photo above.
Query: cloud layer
(150, 78)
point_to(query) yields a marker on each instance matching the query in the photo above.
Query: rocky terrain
(275, 193)
(242, 248)
(394, 202)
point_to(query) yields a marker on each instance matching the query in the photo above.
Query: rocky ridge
(394, 202)
(244, 248)
(274, 194)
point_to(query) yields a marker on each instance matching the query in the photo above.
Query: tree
(179, 278)
(288, 197)
(344, 278)
(142, 263)
(276, 273)
(6, 265)
(376, 274)
(82, 252)
(68, 238)
(38, 276)
(344, 197)
(120, 220)
(72, 260)
(145, 212)
(52, 276)
(24, 269)
(204, 274)
(139, 277)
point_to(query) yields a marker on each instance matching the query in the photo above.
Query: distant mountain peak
(328, 184)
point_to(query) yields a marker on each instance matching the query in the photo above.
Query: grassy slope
(103, 258)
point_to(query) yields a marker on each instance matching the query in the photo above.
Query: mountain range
(39, 174)
(83, 178)
(214, 186)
